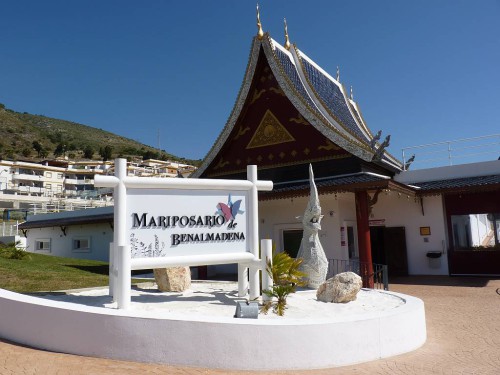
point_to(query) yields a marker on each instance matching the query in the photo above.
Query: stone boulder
(341, 288)
(173, 279)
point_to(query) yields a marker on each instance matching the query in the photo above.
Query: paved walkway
(463, 329)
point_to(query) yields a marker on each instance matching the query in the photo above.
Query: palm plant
(284, 271)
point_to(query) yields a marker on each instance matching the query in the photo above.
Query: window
(349, 238)
(59, 175)
(81, 244)
(48, 186)
(477, 232)
(42, 244)
(351, 243)
(48, 174)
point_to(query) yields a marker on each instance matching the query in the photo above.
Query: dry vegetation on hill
(26, 136)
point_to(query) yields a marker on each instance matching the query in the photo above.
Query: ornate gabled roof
(331, 95)
(335, 103)
(315, 99)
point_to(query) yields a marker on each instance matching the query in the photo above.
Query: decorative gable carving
(269, 132)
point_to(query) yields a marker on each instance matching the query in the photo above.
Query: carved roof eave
(361, 118)
(390, 185)
(312, 115)
(394, 162)
(238, 106)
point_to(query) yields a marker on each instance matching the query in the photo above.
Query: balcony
(81, 181)
(27, 177)
(31, 189)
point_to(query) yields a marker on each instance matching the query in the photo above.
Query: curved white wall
(209, 342)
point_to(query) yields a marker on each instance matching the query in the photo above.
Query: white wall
(402, 211)
(62, 245)
(277, 215)
(397, 211)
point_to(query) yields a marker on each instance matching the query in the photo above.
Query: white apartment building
(64, 184)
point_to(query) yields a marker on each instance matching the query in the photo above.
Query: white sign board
(168, 222)
(175, 222)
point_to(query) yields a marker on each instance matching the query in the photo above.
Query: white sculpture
(315, 264)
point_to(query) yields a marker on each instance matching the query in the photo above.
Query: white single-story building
(84, 234)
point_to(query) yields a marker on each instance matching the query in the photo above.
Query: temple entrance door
(389, 247)
(395, 249)
(291, 241)
(378, 248)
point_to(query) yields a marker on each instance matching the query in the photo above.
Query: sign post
(168, 222)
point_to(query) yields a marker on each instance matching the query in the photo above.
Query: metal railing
(61, 206)
(380, 274)
(465, 150)
(9, 229)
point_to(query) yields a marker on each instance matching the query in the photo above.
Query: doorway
(389, 247)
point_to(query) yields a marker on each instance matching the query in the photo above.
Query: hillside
(26, 136)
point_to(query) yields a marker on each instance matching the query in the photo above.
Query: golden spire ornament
(287, 40)
(260, 32)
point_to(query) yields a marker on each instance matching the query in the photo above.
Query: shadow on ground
(467, 281)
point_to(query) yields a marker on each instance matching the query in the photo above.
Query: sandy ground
(218, 300)
(463, 327)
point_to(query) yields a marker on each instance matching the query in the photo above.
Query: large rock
(173, 279)
(341, 288)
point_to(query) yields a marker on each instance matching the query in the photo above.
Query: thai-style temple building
(290, 113)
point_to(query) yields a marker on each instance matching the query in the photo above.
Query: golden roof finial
(338, 74)
(287, 40)
(260, 32)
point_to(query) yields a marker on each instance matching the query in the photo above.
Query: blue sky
(422, 71)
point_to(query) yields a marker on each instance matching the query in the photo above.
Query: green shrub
(284, 271)
(11, 251)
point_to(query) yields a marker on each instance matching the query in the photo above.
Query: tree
(88, 152)
(26, 152)
(106, 152)
(56, 137)
(149, 155)
(38, 147)
(60, 149)
(44, 153)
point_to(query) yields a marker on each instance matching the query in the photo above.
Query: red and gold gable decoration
(270, 132)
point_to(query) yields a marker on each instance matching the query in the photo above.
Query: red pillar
(364, 243)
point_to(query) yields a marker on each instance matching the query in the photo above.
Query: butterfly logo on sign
(229, 211)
